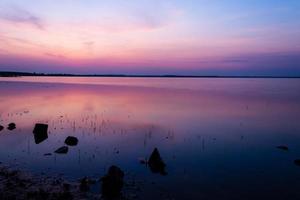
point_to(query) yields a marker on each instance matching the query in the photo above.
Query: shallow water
(218, 137)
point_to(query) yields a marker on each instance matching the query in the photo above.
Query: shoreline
(19, 184)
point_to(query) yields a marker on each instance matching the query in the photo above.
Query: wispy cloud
(21, 16)
(12, 41)
(129, 18)
(89, 44)
(52, 55)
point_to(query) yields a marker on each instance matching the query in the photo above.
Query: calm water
(218, 137)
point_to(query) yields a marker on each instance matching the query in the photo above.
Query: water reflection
(218, 137)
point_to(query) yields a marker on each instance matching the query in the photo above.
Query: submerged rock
(62, 150)
(71, 141)
(11, 126)
(1, 128)
(48, 154)
(297, 162)
(40, 133)
(112, 183)
(282, 147)
(156, 163)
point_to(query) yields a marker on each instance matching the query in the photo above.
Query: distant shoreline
(21, 74)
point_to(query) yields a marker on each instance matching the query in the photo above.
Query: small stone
(11, 126)
(282, 147)
(62, 150)
(71, 141)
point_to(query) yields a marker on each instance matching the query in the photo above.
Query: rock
(40, 133)
(11, 126)
(112, 183)
(282, 147)
(156, 163)
(1, 128)
(71, 141)
(62, 150)
(47, 154)
(297, 162)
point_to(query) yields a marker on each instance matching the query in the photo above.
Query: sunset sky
(188, 37)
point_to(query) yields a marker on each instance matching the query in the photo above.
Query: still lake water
(218, 137)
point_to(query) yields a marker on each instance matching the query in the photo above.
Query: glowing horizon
(249, 37)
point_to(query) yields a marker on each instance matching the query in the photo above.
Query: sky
(151, 37)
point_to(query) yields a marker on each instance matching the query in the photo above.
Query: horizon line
(20, 74)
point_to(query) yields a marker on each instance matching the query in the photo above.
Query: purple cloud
(21, 16)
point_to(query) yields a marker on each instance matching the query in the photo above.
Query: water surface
(218, 137)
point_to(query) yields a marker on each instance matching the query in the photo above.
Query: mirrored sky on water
(218, 137)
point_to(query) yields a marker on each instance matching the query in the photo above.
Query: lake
(217, 136)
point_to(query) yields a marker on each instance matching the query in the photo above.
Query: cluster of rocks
(70, 141)
(112, 182)
(14, 185)
(40, 132)
(10, 126)
(18, 185)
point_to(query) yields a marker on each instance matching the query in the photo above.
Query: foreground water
(218, 137)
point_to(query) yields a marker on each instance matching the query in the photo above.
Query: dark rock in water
(40, 133)
(62, 150)
(297, 162)
(11, 126)
(71, 141)
(48, 154)
(156, 163)
(1, 128)
(112, 183)
(282, 147)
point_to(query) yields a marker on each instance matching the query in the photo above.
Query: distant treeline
(19, 74)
